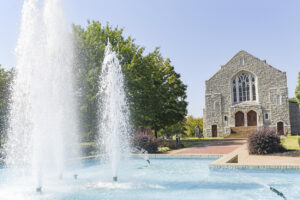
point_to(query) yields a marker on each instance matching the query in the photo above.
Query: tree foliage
(191, 123)
(175, 129)
(5, 85)
(293, 99)
(156, 94)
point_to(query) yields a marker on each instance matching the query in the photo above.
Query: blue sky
(198, 36)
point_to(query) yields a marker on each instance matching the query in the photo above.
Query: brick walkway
(216, 147)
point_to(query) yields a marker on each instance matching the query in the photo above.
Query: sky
(198, 36)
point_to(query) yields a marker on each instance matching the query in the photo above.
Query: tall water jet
(43, 122)
(114, 125)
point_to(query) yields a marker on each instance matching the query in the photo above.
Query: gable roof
(245, 53)
(240, 54)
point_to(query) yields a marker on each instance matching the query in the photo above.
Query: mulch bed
(289, 153)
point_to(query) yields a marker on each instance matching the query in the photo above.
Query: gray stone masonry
(295, 118)
(267, 96)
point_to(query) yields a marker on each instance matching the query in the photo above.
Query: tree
(89, 50)
(191, 123)
(293, 99)
(175, 129)
(156, 94)
(5, 85)
(297, 91)
(158, 98)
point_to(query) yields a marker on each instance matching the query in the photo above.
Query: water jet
(113, 111)
(42, 127)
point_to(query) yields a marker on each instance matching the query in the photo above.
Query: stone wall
(271, 85)
(295, 118)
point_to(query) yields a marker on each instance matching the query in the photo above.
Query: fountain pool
(165, 178)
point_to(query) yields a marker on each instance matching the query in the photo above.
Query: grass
(189, 142)
(89, 147)
(290, 142)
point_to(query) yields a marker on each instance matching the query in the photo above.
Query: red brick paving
(213, 147)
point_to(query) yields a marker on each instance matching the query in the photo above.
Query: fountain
(114, 128)
(43, 119)
(43, 133)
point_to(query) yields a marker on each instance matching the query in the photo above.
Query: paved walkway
(240, 158)
(216, 147)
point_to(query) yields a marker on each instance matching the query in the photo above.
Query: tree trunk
(155, 132)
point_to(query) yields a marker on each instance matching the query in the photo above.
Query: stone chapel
(245, 94)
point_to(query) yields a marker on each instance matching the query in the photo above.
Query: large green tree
(297, 91)
(155, 92)
(90, 45)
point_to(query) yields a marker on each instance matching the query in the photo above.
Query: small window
(225, 118)
(242, 61)
(266, 116)
(278, 100)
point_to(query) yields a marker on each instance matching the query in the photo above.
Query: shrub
(146, 141)
(299, 141)
(171, 144)
(163, 149)
(264, 141)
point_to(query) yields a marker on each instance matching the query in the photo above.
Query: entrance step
(241, 131)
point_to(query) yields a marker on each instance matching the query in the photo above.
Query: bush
(171, 144)
(299, 141)
(163, 149)
(146, 141)
(264, 141)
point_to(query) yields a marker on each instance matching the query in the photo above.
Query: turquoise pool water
(165, 178)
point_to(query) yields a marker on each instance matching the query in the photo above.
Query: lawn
(189, 142)
(290, 142)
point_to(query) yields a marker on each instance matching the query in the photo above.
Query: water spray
(114, 126)
(42, 127)
(60, 176)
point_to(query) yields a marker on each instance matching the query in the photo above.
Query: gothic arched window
(244, 88)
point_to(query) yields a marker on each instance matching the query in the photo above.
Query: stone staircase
(241, 131)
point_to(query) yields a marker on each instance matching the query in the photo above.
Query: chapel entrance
(214, 130)
(239, 119)
(280, 128)
(251, 118)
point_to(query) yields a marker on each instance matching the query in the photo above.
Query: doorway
(214, 130)
(280, 128)
(251, 118)
(239, 119)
